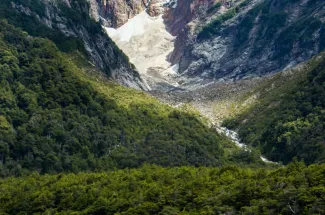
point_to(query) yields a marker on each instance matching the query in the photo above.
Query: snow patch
(136, 26)
(147, 43)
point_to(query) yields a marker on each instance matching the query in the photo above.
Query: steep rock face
(156, 7)
(115, 13)
(253, 38)
(69, 18)
(185, 11)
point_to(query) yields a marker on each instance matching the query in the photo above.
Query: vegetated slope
(295, 189)
(69, 26)
(52, 119)
(288, 120)
(252, 38)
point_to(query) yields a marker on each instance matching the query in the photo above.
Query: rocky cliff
(251, 38)
(116, 13)
(71, 18)
(184, 12)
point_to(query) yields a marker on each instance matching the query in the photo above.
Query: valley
(172, 60)
(167, 107)
(149, 44)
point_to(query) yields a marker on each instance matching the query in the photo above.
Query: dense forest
(294, 189)
(52, 121)
(73, 141)
(289, 121)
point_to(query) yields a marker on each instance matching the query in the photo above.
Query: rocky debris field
(216, 100)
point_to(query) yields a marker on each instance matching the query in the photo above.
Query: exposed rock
(147, 43)
(116, 13)
(101, 49)
(252, 44)
(225, 55)
(186, 11)
(156, 8)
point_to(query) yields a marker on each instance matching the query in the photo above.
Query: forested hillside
(74, 140)
(295, 189)
(288, 121)
(52, 119)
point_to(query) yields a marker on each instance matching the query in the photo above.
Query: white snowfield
(134, 27)
(147, 43)
(137, 25)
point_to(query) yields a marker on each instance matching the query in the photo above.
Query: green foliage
(215, 7)
(60, 120)
(78, 15)
(300, 32)
(269, 21)
(4, 124)
(74, 17)
(288, 121)
(269, 26)
(37, 5)
(156, 190)
(244, 3)
(214, 26)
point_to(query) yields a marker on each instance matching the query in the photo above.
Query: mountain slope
(56, 116)
(73, 141)
(251, 38)
(68, 24)
(115, 13)
(288, 119)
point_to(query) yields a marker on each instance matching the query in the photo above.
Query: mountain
(183, 12)
(69, 25)
(227, 54)
(206, 41)
(162, 107)
(127, 132)
(115, 13)
(249, 38)
(59, 113)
